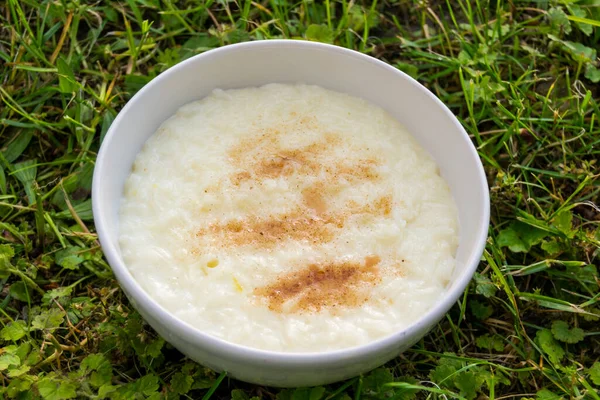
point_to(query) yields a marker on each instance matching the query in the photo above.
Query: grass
(523, 77)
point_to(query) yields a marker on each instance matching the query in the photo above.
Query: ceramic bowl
(286, 61)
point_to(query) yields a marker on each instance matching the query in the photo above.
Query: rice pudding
(288, 218)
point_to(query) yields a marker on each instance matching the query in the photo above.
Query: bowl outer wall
(287, 61)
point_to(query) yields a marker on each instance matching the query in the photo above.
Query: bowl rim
(196, 336)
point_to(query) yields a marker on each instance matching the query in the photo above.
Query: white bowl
(286, 61)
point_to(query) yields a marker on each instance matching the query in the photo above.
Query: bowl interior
(259, 63)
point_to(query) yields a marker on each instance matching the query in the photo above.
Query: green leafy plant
(522, 77)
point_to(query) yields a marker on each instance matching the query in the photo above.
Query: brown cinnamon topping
(314, 198)
(240, 177)
(317, 287)
(320, 170)
(297, 224)
(266, 157)
(266, 233)
(383, 205)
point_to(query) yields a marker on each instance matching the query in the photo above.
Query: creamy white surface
(179, 185)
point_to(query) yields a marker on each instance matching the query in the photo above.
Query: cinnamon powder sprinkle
(314, 287)
(298, 224)
(268, 232)
(265, 157)
(314, 198)
(317, 287)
